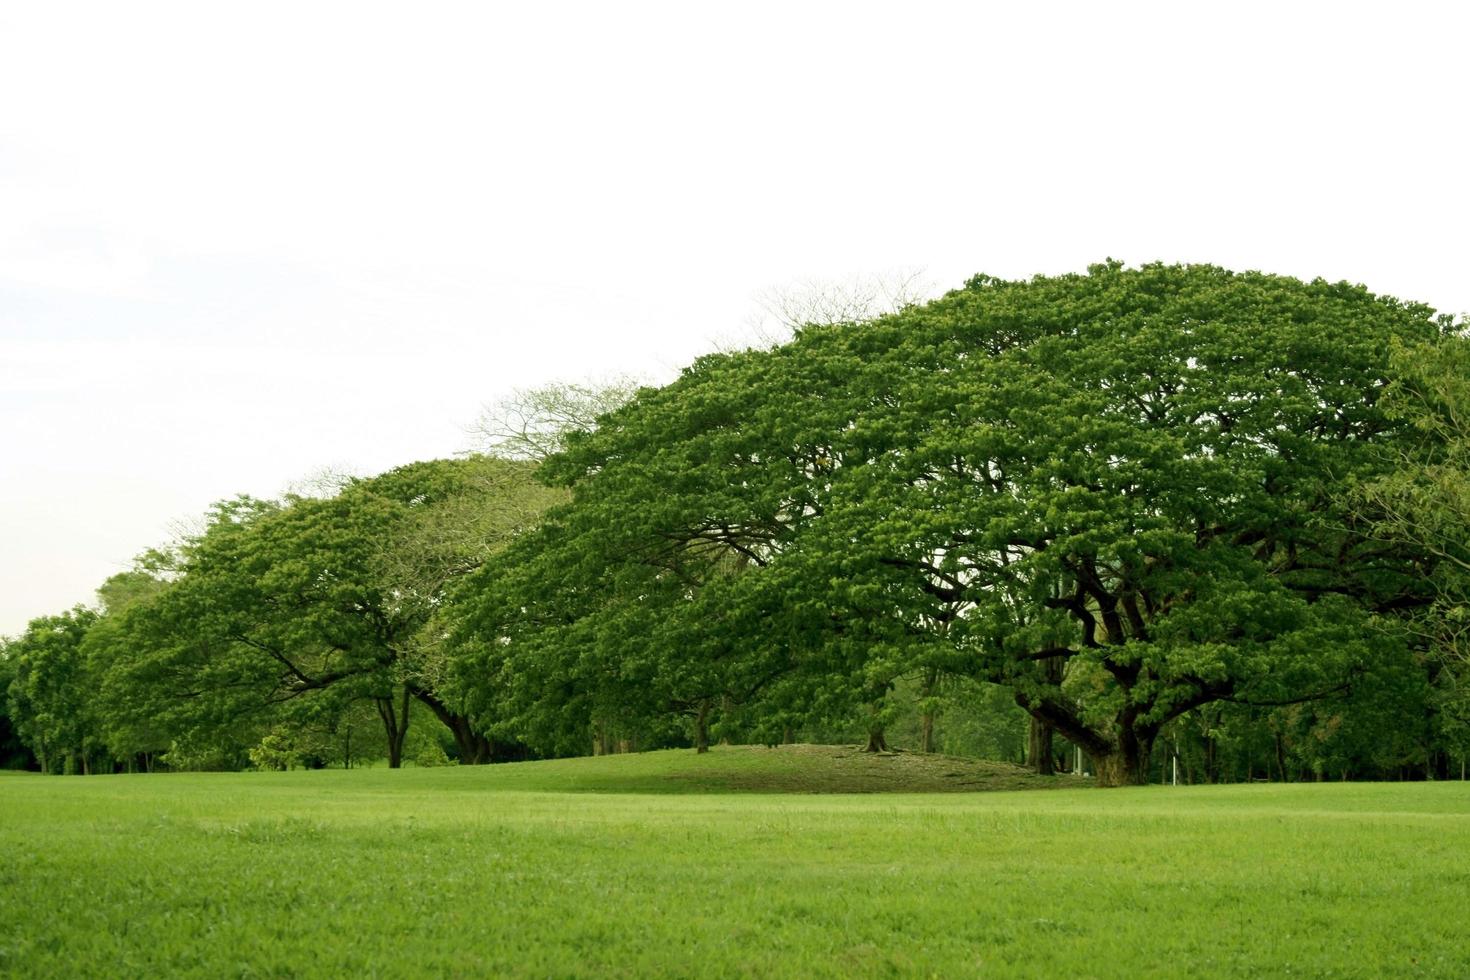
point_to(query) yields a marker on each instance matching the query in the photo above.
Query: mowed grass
(592, 867)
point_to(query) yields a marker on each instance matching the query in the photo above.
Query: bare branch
(532, 423)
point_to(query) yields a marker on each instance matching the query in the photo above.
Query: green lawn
(593, 867)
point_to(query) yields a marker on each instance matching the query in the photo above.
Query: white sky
(240, 242)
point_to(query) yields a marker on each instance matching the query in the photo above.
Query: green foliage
(274, 753)
(14, 754)
(430, 754)
(1422, 505)
(1137, 472)
(49, 702)
(291, 612)
(1173, 504)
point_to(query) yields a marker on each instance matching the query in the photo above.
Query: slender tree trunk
(1281, 756)
(602, 740)
(394, 726)
(701, 728)
(788, 737)
(926, 715)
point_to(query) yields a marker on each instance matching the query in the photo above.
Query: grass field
(670, 864)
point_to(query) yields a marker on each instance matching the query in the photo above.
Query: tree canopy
(309, 605)
(1135, 473)
(1423, 505)
(1222, 511)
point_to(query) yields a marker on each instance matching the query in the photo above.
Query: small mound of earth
(848, 769)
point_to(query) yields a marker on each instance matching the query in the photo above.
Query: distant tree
(297, 610)
(134, 733)
(50, 692)
(461, 514)
(171, 686)
(14, 754)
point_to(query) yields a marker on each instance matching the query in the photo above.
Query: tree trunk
(602, 740)
(1039, 748)
(1039, 754)
(701, 729)
(475, 749)
(395, 725)
(1127, 765)
(876, 741)
(926, 714)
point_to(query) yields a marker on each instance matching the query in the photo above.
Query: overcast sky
(241, 242)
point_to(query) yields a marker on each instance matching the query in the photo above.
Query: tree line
(1126, 518)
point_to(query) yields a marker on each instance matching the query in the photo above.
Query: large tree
(1121, 494)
